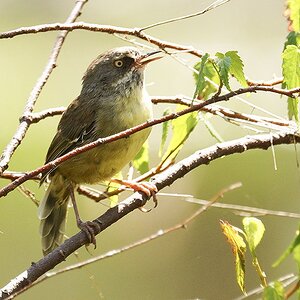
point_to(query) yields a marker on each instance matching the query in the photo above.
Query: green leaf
(295, 243)
(165, 130)
(181, 128)
(224, 63)
(200, 80)
(238, 248)
(204, 87)
(291, 66)
(141, 160)
(254, 229)
(293, 38)
(293, 108)
(231, 63)
(291, 76)
(237, 67)
(294, 7)
(275, 292)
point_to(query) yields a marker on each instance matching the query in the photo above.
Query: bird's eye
(118, 63)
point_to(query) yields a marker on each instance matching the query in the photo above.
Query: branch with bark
(168, 177)
(286, 132)
(53, 164)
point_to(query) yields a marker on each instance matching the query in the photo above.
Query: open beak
(146, 58)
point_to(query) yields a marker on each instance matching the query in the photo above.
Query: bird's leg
(146, 187)
(88, 227)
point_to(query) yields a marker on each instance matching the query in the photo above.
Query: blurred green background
(189, 264)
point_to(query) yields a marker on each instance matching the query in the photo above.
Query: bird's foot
(89, 228)
(148, 188)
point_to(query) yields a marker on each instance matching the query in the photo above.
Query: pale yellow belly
(105, 161)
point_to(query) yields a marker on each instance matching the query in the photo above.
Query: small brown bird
(113, 98)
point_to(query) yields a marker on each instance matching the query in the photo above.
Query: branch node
(26, 118)
(184, 226)
(137, 31)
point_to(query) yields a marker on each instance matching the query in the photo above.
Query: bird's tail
(52, 213)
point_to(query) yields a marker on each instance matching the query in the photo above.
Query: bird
(113, 98)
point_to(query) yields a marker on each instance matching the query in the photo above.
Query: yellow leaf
(238, 248)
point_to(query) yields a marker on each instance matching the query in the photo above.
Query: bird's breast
(104, 161)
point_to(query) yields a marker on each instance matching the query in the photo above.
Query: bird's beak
(146, 58)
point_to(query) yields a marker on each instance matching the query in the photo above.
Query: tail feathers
(52, 213)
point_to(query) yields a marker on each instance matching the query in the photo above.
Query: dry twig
(25, 119)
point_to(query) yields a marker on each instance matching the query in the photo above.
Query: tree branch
(112, 215)
(51, 64)
(53, 164)
(99, 28)
(225, 113)
(36, 117)
(160, 233)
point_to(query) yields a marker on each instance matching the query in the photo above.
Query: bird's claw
(89, 229)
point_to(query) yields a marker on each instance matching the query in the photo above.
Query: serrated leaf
(230, 63)
(165, 130)
(141, 160)
(181, 129)
(238, 248)
(224, 63)
(200, 80)
(254, 229)
(295, 243)
(294, 7)
(210, 76)
(291, 66)
(237, 67)
(291, 76)
(275, 292)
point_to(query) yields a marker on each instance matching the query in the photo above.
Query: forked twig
(51, 64)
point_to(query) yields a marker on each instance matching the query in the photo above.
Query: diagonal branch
(112, 215)
(160, 233)
(53, 164)
(51, 64)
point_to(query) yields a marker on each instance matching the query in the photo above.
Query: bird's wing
(76, 128)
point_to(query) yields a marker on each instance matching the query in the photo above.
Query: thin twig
(36, 117)
(245, 209)
(265, 83)
(227, 113)
(111, 253)
(12, 175)
(293, 290)
(28, 194)
(285, 280)
(210, 7)
(98, 28)
(51, 64)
